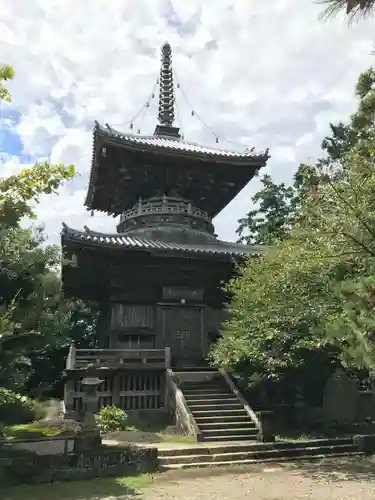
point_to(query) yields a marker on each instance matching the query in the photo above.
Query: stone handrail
(71, 359)
(176, 402)
(240, 397)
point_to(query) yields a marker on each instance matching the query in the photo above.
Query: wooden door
(182, 330)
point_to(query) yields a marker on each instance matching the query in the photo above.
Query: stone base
(87, 442)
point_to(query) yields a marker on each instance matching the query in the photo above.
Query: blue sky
(270, 78)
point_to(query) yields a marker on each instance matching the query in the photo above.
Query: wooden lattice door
(183, 333)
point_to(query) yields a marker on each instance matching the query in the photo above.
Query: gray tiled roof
(124, 241)
(175, 144)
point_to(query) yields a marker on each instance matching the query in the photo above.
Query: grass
(93, 489)
(32, 431)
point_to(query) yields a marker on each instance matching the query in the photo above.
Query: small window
(137, 341)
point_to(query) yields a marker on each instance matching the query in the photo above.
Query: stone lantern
(90, 434)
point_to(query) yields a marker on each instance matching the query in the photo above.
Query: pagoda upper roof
(177, 146)
(127, 242)
(127, 167)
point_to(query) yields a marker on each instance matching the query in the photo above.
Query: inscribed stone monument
(340, 399)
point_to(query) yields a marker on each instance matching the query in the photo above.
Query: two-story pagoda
(158, 279)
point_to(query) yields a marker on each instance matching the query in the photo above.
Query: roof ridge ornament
(166, 96)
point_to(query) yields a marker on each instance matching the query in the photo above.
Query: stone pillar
(90, 435)
(266, 431)
(299, 409)
(69, 412)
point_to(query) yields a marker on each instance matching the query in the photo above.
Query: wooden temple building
(158, 279)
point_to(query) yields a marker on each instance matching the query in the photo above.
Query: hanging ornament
(131, 126)
(147, 104)
(178, 85)
(192, 112)
(217, 140)
(153, 95)
(182, 136)
(139, 131)
(92, 213)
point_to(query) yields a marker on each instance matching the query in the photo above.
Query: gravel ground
(330, 479)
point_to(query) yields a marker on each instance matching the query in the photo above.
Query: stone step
(255, 461)
(211, 449)
(205, 390)
(249, 424)
(209, 395)
(207, 405)
(214, 418)
(202, 387)
(255, 455)
(220, 413)
(230, 430)
(230, 437)
(213, 400)
(190, 369)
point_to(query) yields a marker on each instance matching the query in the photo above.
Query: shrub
(15, 408)
(111, 419)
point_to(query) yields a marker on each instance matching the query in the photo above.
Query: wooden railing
(109, 358)
(176, 404)
(165, 206)
(129, 390)
(240, 397)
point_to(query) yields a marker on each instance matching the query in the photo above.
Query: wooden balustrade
(129, 391)
(112, 358)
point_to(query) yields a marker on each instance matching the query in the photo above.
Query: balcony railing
(112, 358)
(164, 206)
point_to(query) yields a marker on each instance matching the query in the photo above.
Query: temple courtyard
(330, 479)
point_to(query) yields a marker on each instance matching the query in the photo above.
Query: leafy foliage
(15, 408)
(272, 220)
(312, 292)
(112, 419)
(6, 74)
(354, 9)
(20, 193)
(35, 319)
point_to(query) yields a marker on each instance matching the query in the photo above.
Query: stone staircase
(218, 412)
(235, 454)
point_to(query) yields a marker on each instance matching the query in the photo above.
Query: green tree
(272, 220)
(279, 205)
(6, 74)
(293, 300)
(34, 317)
(352, 8)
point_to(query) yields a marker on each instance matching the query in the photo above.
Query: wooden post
(116, 388)
(167, 357)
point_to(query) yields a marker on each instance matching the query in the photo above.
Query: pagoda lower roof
(127, 242)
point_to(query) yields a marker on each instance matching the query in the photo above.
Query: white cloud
(256, 75)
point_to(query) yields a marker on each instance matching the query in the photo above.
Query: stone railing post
(266, 431)
(167, 351)
(71, 359)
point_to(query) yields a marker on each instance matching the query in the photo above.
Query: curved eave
(125, 243)
(166, 146)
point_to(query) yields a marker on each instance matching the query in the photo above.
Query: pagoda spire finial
(166, 95)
